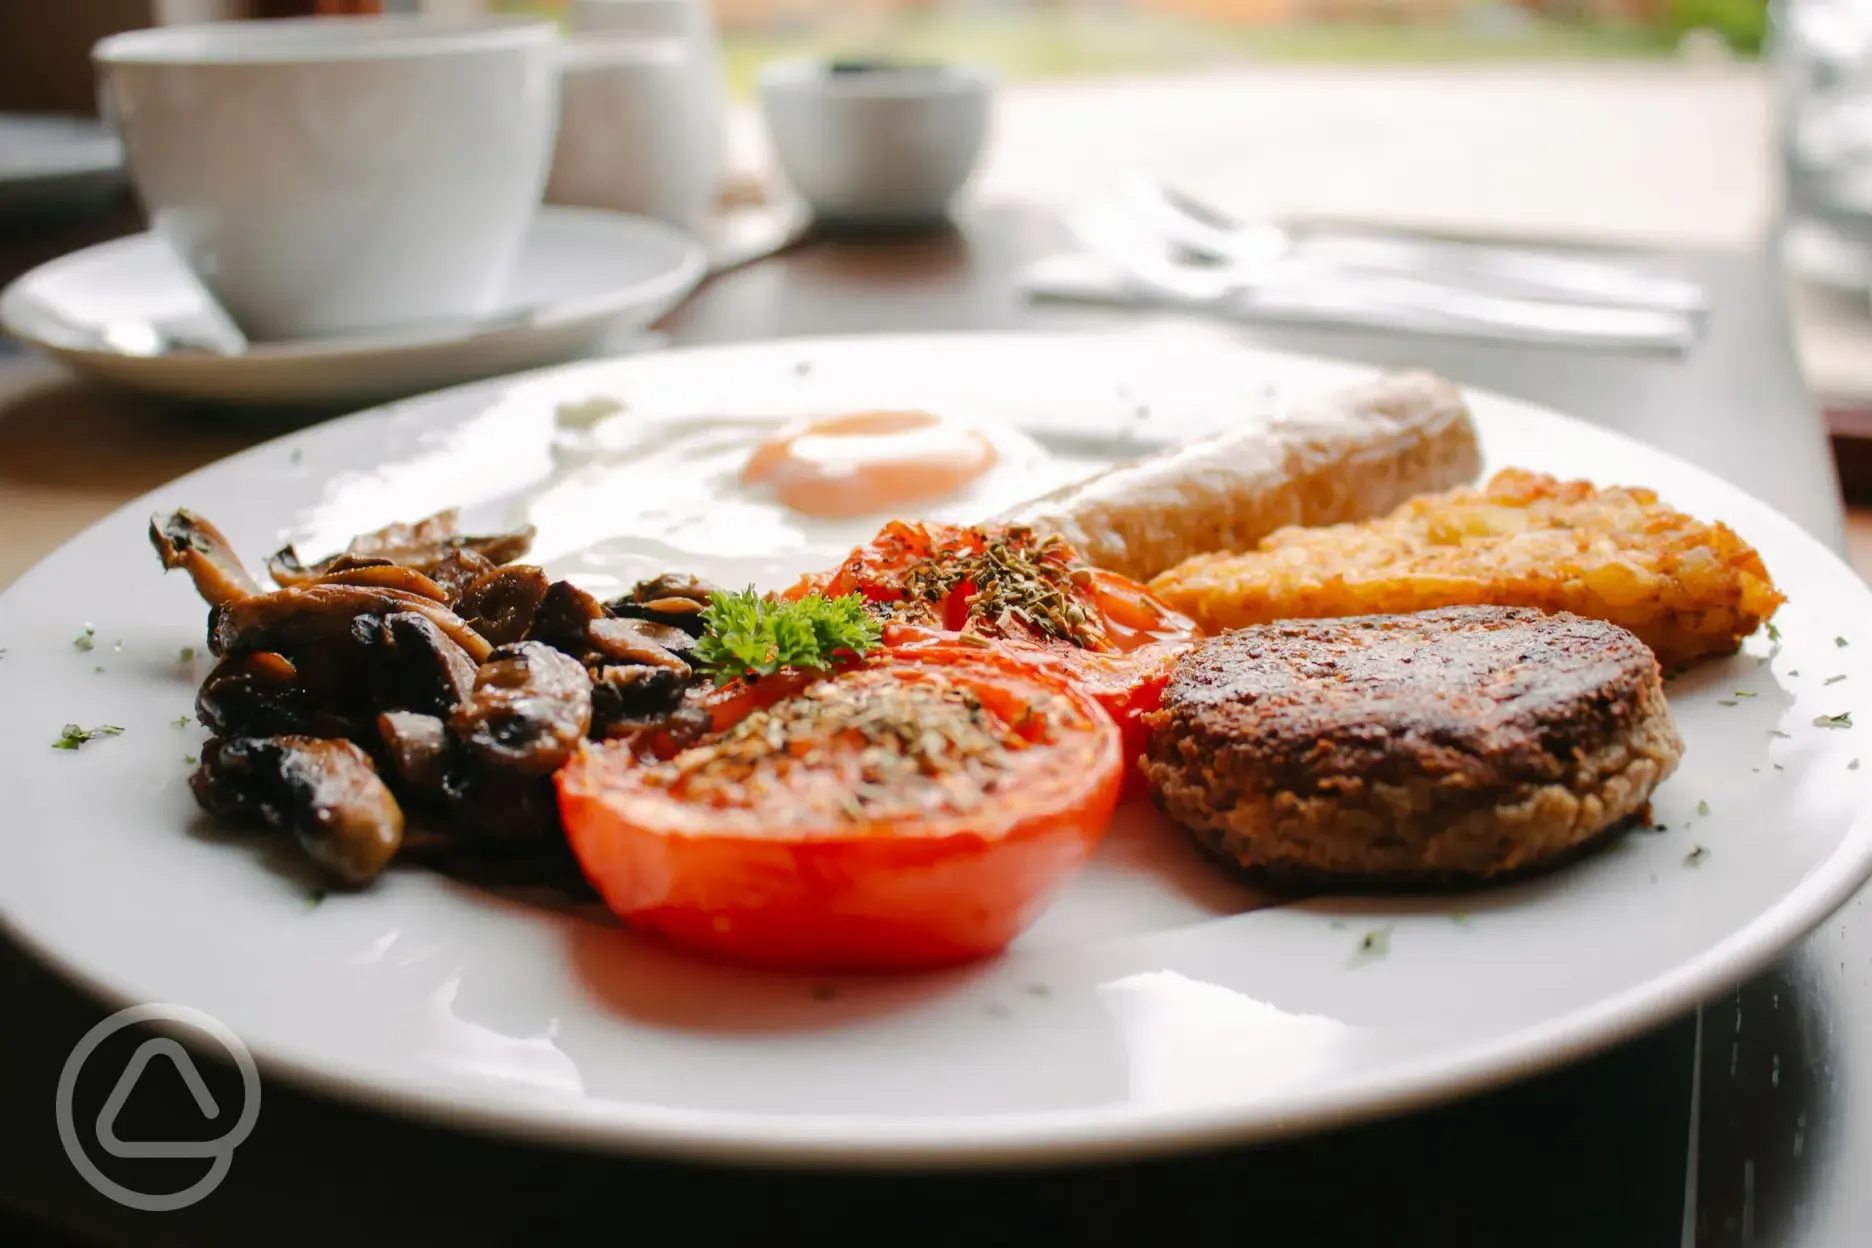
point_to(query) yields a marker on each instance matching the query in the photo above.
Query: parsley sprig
(749, 634)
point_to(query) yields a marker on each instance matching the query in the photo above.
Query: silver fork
(1298, 290)
(1208, 232)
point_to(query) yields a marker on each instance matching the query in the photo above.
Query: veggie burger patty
(1443, 747)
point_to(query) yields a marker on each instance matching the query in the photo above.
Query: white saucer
(593, 275)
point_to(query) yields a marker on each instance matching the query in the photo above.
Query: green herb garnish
(1840, 642)
(1776, 732)
(1373, 944)
(86, 640)
(1841, 720)
(747, 633)
(71, 737)
(1696, 856)
(1774, 634)
(1727, 702)
(181, 721)
(1460, 919)
(1743, 693)
(1834, 680)
(1703, 808)
(190, 759)
(188, 654)
(313, 898)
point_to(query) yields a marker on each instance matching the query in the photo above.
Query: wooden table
(1614, 1150)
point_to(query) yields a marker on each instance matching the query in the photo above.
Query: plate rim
(1077, 1136)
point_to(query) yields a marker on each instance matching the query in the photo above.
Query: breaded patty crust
(1444, 747)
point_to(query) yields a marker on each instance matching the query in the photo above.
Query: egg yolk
(868, 463)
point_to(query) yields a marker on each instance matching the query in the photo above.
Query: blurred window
(1078, 38)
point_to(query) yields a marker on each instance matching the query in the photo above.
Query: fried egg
(764, 499)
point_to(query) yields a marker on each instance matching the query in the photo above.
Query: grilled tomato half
(1007, 587)
(915, 811)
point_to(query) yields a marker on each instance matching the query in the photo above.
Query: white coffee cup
(631, 135)
(693, 22)
(326, 176)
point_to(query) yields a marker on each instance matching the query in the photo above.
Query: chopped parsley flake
(1841, 720)
(1776, 732)
(1779, 767)
(189, 759)
(98, 670)
(1373, 945)
(86, 640)
(1743, 693)
(1840, 642)
(1834, 680)
(181, 721)
(1727, 702)
(188, 654)
(313, 899)
(1774, 634)
(72, 737)
(1696, 856)
(1461, 919)
(1703, 808)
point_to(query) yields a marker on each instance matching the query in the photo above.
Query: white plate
(595, 274)
(1147, 1010)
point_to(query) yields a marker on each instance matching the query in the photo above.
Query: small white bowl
(876, 143)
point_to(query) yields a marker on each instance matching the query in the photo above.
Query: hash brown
(1688, 589)
(1447, 747)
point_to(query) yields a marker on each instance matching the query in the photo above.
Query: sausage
(1344, 456)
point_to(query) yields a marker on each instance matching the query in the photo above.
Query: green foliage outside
(1057, 42)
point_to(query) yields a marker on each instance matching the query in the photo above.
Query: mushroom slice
(503, 807)
(308, 614)
(419, 748)
(260, 694)
(284, 567)
(629, 697)
(501, 605)
(564, 618)
(531, 707)
(459, 569)
(389, 576)
(419, 667)
(674, 600)
(433, 547)
(326, 793)
(184, 540)
(428, 540)
(637, 641)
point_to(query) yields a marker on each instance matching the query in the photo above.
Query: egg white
(634, 495)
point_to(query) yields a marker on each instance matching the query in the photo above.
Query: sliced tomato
(1121, 655)
(785, 839)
